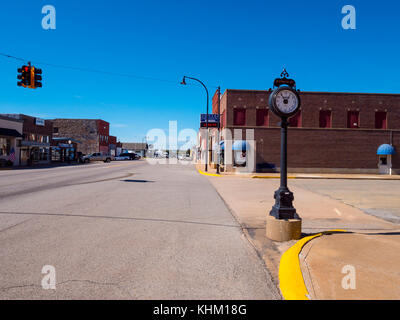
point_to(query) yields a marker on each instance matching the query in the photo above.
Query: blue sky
(234, 44)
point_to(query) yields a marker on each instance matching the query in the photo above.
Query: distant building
(35, 145)
(10, 137)
(137, 147)
(93, 134)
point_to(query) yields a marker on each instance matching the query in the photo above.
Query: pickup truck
(97, 156)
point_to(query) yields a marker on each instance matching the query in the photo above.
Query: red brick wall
(312, 147)
(103, 128)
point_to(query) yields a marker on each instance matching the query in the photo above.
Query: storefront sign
(213, 120)
(40, 122)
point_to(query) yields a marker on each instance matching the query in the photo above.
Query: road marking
(338, 212)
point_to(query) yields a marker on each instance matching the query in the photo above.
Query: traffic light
(36, 78)
(25, 76)
(30, 77)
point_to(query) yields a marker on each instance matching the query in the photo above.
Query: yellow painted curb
(209, 174)
(291, 280)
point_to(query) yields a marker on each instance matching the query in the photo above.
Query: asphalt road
(124, 230)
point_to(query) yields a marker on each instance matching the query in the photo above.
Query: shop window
(5, 146)
(381, 120)
(262, 118)
(325, 119)
(295, 121)
(353, 119)
(239, 117)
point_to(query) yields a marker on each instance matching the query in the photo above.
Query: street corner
(350, 266)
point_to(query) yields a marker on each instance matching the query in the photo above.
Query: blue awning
(222, 145)
(385, 149)
(240, 145)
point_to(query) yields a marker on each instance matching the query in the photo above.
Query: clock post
(283, 222)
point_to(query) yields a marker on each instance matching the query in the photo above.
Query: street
(123, 230)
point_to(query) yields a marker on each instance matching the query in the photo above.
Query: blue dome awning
(385, 149)
(239, 145)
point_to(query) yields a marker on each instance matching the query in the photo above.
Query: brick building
(333, 132)
(10, 140)
(93, 134)
(35, 145)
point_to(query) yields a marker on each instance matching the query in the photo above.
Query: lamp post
(184, 83)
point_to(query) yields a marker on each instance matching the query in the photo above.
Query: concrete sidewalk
(372, 247)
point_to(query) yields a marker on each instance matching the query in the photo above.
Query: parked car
(130, 155)
(97, 156)
(120, 158)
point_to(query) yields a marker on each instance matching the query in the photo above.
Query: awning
(10, 133)
(239, 145)
(385, 149)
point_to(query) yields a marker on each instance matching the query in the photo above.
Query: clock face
(286, 101)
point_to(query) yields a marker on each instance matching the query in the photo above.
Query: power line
(95, 70)
(89, 70)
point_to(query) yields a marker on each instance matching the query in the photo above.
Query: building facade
(93, 134)
(10, 138)
(333, 132)
(35, 145)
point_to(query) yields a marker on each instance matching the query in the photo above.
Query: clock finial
(284, 73)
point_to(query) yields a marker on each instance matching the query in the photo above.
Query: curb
(291, 281)
(209, 174)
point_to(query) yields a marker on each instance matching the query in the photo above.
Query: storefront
(32, 153)
(10, 135)
(64, 150)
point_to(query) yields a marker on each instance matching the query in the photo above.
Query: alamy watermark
(49, 20)
(349, 20)
(49, 280)
(228, 147)
(349, 281)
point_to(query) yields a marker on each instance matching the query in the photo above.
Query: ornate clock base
(283, 208)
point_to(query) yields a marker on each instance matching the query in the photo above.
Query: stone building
(93, 134)
(333, 132)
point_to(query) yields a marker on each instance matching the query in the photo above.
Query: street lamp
(184, 83)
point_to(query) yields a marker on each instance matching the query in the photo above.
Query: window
(353, 119)
(55, 130)
(295, 121)
(5, 146)
(239, 117)
(262, 117)
(381, 120)
(325, 119)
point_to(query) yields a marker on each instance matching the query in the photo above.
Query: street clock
(284, 101)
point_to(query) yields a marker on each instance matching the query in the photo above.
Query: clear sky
(234, 44)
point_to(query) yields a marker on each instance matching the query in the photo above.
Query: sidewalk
(372, 249)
